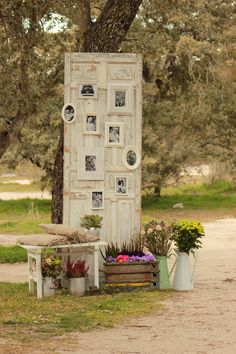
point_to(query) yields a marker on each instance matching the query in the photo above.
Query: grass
(12, 254)
(195, 197)
(64, 313)
(23, 216)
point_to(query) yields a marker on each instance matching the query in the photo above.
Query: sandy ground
(202, 320)
(20, 195)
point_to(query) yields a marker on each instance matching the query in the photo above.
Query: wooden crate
(127, 273)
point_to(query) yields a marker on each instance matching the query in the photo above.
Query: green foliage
(51, 266)
(12, 254)
(156, 237)
(89, 221)
(187, 235)
(63, 313)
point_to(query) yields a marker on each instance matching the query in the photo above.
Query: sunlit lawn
(21, 313)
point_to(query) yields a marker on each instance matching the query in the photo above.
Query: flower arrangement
(157, 237)
(127, 253)
(187, 235)
(51, 266)
(76, 269)
(89, 221)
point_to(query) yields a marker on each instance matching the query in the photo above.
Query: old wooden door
(102, 154)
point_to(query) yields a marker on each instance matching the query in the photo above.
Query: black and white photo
(114, 134)
(119, 98)
(68, 113)
(131, 157)
(87, 90)
(90, 163)
(97, 200)
(91, 123)
(121, 185)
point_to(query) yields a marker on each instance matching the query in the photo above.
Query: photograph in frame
(87, 90)
(121, 185)
(114, 134)
(119, 99)
(91, 123)
(68, 113)
(97, 200)
(90, 164)
(131, 157)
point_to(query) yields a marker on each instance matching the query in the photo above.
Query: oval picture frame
(131, 157)
(69, 112)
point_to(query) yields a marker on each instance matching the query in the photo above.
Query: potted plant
(187, 237)
(51, 272)
(129, 265)
(77, 273)
(92, 223)
(157, 238)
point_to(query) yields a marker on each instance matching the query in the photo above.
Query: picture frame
(91, 124)
(69, 113)
(87, 90)
(97, 199)
(91, 164)
(121, 185)
(114, 134)
(131, 157)
(119, 99)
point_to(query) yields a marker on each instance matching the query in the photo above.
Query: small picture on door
(90, 163)
(119, 98)
(97, 200)
(114, 134)
(91, 123)
(87, 91)
(121, 185)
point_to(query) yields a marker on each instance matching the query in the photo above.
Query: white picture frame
(121, 185)
(91, 124)
(90, 164)
(114, 134)
(87, 90)
(131, 157)
(119, 99)
(69, 112)
(97, 200)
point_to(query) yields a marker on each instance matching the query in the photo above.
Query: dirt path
(200, 321)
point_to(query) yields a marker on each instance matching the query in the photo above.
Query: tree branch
(110, 29)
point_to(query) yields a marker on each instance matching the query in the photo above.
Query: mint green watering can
(164, 273)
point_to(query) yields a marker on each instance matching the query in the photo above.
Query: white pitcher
(183, 278)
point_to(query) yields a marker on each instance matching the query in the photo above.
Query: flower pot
(183, 278)
(77, 286)
(49, 287)
(134, 273)
(95, 231)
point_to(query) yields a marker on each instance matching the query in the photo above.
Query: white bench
(35, 257)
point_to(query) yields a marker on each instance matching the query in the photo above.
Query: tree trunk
(103, 36)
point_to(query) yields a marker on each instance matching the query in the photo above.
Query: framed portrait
(121, 185)
(91, 164)
(114, 134)
(68, 112)
(97, 200)
(131, 157)
(87, 90)
(91, 123)
(119, 99)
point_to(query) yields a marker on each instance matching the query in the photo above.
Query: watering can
(164, 273)
(183, 278)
